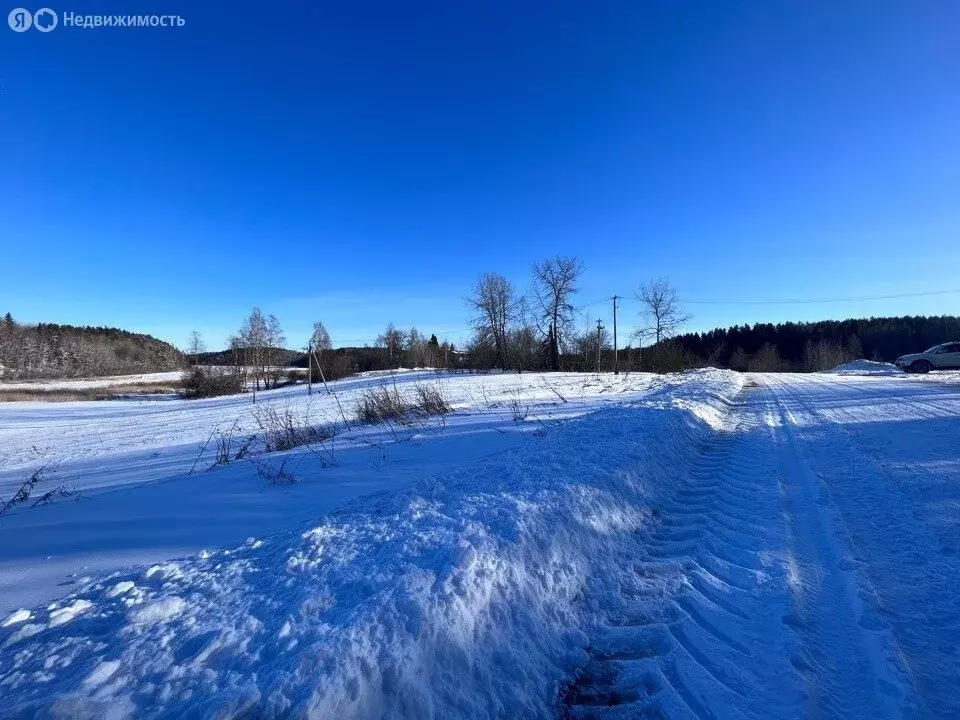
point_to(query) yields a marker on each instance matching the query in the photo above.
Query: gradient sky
(361, 162)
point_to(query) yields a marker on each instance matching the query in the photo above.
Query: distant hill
(48, 350)
(283, 357)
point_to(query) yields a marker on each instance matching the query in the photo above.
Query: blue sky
(362, 162)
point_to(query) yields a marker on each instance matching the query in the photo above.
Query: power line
(595, 302)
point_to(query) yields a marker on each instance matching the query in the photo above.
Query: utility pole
(616, 360)
(599, 345)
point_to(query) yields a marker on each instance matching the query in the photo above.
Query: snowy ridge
(477, 596)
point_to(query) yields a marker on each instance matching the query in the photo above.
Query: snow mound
(470, 597)
(866, 367)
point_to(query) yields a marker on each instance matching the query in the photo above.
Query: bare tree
(660, 310)
(524, 347)
(554, 284)
(320, 339)
(275, 340)
(253, 337)
(584, 345)
(195, 346)
(416, 351)
(239, 352)
(393, 340)
(496, 305)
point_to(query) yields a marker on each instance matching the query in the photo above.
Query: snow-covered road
(815, 565)
(881, 459)
(709, 546)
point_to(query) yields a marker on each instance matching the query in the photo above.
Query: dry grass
(108, 392)
(384, 403)
(286, 430)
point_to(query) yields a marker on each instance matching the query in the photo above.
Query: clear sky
(361, 162)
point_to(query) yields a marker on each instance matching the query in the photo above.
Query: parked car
(939, 357)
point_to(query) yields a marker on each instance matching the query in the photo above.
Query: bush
(383, 403)
(430, 401)
(295, 375)
(205, 382)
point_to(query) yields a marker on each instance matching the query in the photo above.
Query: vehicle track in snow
(886, 463)
(699, 633)
(753, 598)
(845, 656)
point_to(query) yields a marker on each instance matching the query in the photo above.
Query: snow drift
(866, 367)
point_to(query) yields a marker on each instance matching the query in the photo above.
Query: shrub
(381, 404)
(384, 403)
(205, 382)
(430, 400)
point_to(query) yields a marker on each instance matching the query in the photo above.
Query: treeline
(48, 350)
(256, 358)
(818, 345)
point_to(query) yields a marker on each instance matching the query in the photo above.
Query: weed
(284, 430)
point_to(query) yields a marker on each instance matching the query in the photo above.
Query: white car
(939, 357)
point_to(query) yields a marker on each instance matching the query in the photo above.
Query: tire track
(700, 636)
(903, 605)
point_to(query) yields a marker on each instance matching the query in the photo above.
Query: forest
(47, 350)
(821, 345)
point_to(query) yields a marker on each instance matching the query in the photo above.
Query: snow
(103, 672)
(871, 367)
(867, 367)
(91, 383)
(61, 616)
(18, 616)
(701, 545)
(157, 611)
(135, 501)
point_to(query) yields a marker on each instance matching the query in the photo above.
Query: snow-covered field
(136, 500)
(91, 383)
(704, 545)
